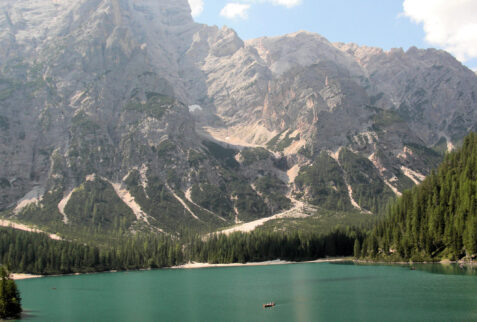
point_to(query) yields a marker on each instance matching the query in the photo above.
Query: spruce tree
(357, 249)
(435, 220)
(10, 301)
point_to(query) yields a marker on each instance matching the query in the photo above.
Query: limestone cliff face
(95, 101)
(396, 109)
(135, 91)
(70, 69)
(273, 81)
(430, 86)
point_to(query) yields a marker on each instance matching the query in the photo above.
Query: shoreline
(441, 262)
(192, 265)
(196, 265)
(21, 276)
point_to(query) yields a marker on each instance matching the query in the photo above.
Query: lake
(302, 292)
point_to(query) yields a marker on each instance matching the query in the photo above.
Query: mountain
(436, 220)
(124, 115)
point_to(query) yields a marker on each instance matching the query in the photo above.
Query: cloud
(235, 10)
(451, 25)
(285, 3)
(240, 9)
(196, 6)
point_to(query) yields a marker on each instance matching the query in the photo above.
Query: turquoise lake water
(302, 292)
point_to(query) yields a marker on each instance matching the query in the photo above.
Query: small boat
(270, 304)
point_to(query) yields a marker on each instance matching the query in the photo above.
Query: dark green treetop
(10, 301)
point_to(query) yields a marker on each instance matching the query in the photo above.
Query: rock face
(106, 102)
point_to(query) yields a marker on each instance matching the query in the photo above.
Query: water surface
(303, 292)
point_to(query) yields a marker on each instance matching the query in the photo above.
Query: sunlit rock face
(115, 87)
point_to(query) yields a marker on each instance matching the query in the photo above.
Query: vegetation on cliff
(435, 220)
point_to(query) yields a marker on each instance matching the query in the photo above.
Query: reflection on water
(29, 314)
(435, 268)
(342, 279)
(305, 292)
(454, 269)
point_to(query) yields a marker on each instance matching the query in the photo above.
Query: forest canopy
(10, 300)
(435, 220)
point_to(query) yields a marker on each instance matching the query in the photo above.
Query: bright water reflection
(303, 292)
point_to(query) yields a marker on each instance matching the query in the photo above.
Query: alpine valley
(125, 116)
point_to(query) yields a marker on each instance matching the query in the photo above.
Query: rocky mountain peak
(361, 53)
(226, 42)
(301, 48)
(186, 124)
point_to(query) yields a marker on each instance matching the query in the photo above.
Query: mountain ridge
(187, 120)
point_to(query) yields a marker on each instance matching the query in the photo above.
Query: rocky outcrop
(139, 94)
(435, 92)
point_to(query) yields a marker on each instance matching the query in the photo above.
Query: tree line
(263, 246)
(435, 220)
(35, 253)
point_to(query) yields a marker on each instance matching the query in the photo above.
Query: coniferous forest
(10, 300)
(35, 253)
(435, 220)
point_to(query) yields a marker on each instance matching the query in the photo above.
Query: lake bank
(442, 262)
(20, 276)
(192, 265)
(195, 265)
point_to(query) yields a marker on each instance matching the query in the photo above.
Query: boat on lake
(270, 304)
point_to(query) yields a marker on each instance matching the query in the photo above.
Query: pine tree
(10, 301)
(435, 220)
(357, 249)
